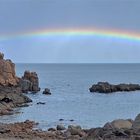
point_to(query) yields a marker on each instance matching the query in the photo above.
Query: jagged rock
(47, 91)
(10, 92)
(105, 87)
(40, 103)
(30, 82)
(7, 72)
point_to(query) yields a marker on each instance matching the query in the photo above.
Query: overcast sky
(17, 16)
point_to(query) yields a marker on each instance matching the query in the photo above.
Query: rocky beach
(116, 130)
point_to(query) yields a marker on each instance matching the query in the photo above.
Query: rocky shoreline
(116, 130)
(13, 87)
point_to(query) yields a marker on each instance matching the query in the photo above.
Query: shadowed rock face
(29, 82)
(105, 87)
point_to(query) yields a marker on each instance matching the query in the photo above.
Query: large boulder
(76, 130)
(60, 127)
(119, 124)
(30, 82)
(105, 87)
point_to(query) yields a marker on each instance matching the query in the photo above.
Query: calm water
(71, 99)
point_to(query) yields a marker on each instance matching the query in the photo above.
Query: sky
(24, 17)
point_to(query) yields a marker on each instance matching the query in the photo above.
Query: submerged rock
(40, 103)
(105, 87)
(61, 119)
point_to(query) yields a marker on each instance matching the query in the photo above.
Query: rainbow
(44, 33)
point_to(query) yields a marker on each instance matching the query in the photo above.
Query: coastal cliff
(11, 87)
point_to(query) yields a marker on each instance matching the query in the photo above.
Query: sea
(71, 100)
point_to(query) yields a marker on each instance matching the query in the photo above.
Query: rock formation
(105, 87)
(10, 91)
(29, 82)
(7, 72)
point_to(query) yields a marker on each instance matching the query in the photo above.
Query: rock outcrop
(29, 82)
(105, 87)
(10, 92)
(7, 72)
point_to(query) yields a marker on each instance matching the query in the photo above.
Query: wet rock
(47, 91)
(71, 120)
(41, 103)
(105, 87)
(25, 85)
(51, 129)
(60, 127)
(61, 119)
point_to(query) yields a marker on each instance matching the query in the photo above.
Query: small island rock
(105, 87)
(30, 82)
(47, 91)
